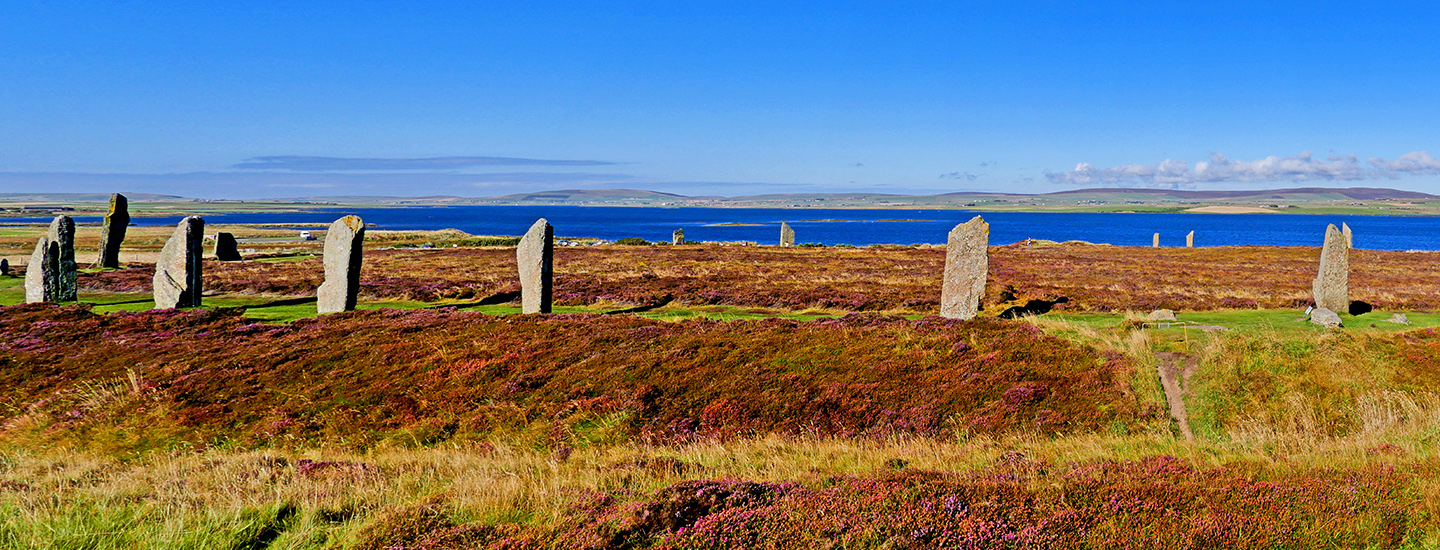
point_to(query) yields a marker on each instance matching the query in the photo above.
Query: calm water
(862, 227)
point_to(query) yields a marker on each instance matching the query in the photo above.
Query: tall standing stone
(967, 261)
(536, 259)
(678, 237)
(113, 232)
(1349, 238)
(40, 272)
(226, 249)
(344, 254)
(178, 281)
(1190, 240)
(67, 277)
(1331, 288)
(4, 267)
(787, 235)
(1156, 241)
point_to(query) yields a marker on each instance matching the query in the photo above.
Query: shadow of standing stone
(967, 260)
(535, 257)
(113, 232)
(178, 280)
(344, 254)
(226, 249)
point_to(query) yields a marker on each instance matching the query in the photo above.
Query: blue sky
(276, 99)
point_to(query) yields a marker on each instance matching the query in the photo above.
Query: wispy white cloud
(1302, 167)
(960, 176)
(338, 164)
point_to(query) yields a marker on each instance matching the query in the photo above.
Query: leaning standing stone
(1190, 240)
(178, 281)
(113, 233)
(536, 259)
(344, 248)
(67, 278)
(967, 260)
(787, 235)
(226, 249)
(1156, 241)
(40, 272)
(678, 237)
(1331, 288)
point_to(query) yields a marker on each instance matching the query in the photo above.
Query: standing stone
(344, 249)
(67, 276)
(40, 272)
(1349, 238)
(226, 249)
(113, 233)
(678, 237)
(4, 267)
(787, 235)
(967, 261)
(1190, 240)
(1156, 241)
(536, 259)
(178, 281)
(1331, 288)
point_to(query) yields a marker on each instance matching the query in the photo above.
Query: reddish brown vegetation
(426, 376)
(1160, 502)
(1094, 278)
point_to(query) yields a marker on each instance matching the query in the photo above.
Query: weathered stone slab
(40, 272)
(1325, 317)
(678, 237)
(178, 281)
(1190, 240)
(67, 276)
(112, 234)
(1161, 315)
(787, 235)
(1331, 287)
(1399, 319)
(226, 249)
(967, 261)
(344, 254)
(536, 259)
(1156, 241)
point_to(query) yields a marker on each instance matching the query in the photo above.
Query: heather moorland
(707, 396)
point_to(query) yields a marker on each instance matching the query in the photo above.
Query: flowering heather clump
(426, 376)
(1158, 502)
(1093, 278)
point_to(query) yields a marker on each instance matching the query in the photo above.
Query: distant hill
(588, 195)
(1301, 193)
(85, 197)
